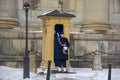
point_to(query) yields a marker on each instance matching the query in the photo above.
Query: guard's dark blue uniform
(62, 54)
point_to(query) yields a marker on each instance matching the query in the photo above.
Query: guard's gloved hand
(65, 48)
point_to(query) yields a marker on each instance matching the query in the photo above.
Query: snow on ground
(8, 73)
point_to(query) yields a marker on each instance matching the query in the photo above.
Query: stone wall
(12, 48)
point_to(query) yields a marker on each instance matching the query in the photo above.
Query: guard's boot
(59, 69)
(64, 69)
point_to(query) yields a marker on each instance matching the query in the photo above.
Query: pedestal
(32, 56)
(97, 64)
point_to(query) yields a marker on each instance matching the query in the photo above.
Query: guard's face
(62, 35)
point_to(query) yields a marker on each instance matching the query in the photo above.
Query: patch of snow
(8, 73)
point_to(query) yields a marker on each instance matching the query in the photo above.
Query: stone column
(32, 56)
(8, 18)
(95, 15)
(97, 64)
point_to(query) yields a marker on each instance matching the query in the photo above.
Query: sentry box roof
(57, 13)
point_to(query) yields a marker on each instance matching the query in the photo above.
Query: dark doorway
(58, 29)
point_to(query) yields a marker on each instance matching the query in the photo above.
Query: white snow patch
(8, 73)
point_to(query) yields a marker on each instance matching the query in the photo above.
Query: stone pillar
(96, 15)
(32, 55)
(97, 64)
(8, 18)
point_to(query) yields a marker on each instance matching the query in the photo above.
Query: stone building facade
(91, 16)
